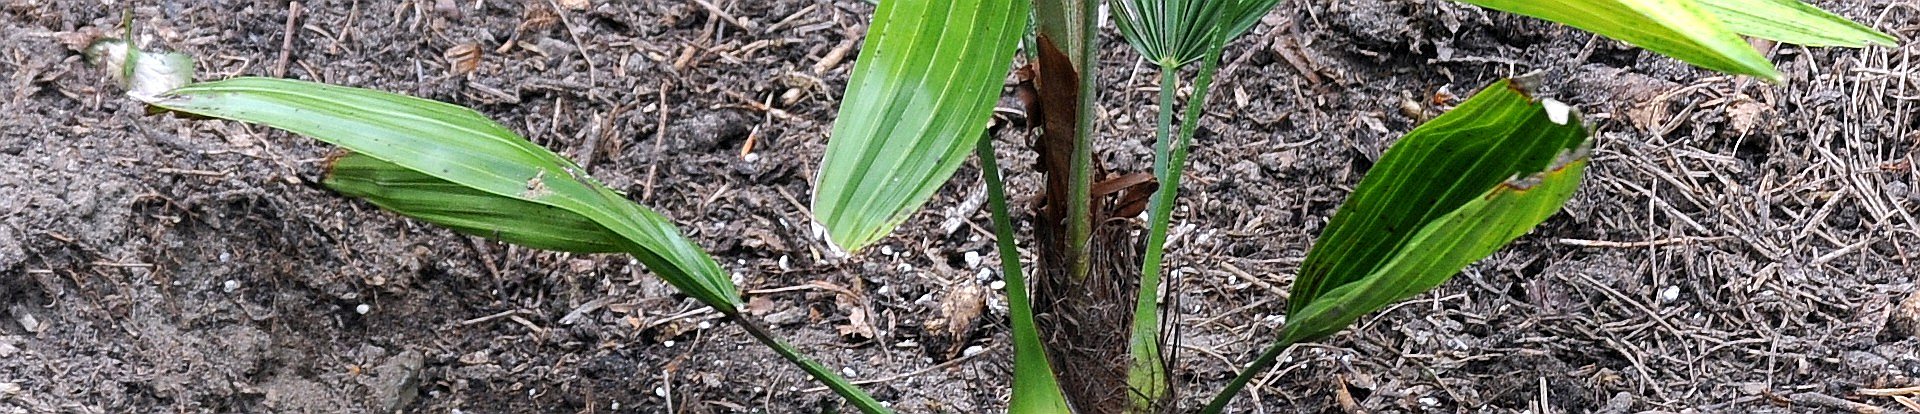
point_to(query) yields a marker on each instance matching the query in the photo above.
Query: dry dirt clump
(1739, 247)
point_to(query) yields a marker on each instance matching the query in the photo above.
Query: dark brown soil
(1739, 247)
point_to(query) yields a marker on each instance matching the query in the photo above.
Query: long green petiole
(1148, 375)
(1035, 389)
(839, 385)
(1259, 365)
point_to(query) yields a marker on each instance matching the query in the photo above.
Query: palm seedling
(1447, 194)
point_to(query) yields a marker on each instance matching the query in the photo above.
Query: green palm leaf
(460, 146)
(1794, 22)
(1448, 194)
(1702, 32)
(452, 166)
(922, 90)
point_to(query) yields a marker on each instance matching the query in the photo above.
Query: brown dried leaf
(853, 302)
(959, 314)
(759, 306)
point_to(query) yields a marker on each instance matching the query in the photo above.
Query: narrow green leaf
(1448, 194)
(460, 146)
(1497, 135)
(1681, 29)
(1035, 388)
(1445, 246)
(1243, 14)
(1792, 21)
(923, 88)
(451, 166)
(465, 209)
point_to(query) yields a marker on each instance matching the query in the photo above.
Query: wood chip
(464, 58)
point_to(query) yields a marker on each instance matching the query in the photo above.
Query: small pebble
(30, 323)
(669, 343)
(8, 389)
(660, 392)
(705, 325)
(230, 285)
(848, 372)
(615, 406)
(973, 259)
(886, 250)
(1429, 402)
(997, 285)
(973, 350)
(1670, 293)
(363, 309)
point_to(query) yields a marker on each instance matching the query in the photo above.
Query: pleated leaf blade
(923, 88)
(457, 145)
(1792, 21)
(449, 165)
(465, 209)
(1705, 33)
(1681, 29)
(1447, 194)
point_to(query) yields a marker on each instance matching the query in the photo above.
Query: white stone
(363, 309)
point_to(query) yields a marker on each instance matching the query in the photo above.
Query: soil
(1739, 246)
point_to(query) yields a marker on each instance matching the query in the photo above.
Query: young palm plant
(1480, 175)
(930, 72)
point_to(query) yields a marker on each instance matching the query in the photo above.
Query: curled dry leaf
(464, 58)
(853, 301)
(960, 309)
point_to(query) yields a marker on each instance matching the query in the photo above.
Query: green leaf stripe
(923, 89)
(460, 146)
